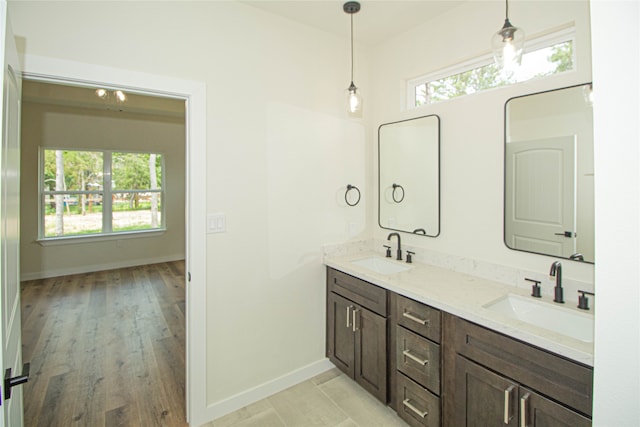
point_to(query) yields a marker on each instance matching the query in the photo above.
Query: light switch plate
(216, 223)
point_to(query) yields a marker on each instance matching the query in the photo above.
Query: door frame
(194, 93)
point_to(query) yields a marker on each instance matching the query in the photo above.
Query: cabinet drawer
(416, 405)
(418, 358)
(558, 378)
(363, 293)
(419, 318)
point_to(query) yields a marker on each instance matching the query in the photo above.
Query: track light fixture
(116, 95)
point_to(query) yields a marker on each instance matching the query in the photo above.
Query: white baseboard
(98, 267)
(240, 400)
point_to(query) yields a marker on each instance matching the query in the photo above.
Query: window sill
(73, 240)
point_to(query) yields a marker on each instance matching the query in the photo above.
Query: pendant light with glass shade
(508, 45)
(354, 97)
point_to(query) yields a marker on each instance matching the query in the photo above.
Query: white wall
(617, 134)
(55, 126)
(280, 152)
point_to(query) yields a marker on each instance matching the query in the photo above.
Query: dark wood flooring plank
(120, 417)
(98, 299)
(35, 297)
(89, 354)
(126, 333)
(169, 356)
(151, 306)
(56, 412)
(56, 341)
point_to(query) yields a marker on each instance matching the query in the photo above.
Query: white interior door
(540, 206)
(10, 328)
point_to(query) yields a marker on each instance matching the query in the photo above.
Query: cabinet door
(371, 352)
(483, 398)
(538, 411)
(340, 333)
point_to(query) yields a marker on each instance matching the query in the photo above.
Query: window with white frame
(91, 192)
(544, 56)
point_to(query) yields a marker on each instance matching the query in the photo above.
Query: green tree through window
(549, 60)
(100, 192)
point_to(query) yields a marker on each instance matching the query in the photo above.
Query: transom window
(544, 56)
(86, 193)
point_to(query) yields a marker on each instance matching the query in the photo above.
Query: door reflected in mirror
(548, 198)
(409, 176)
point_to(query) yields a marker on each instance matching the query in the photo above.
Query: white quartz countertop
(465, 296)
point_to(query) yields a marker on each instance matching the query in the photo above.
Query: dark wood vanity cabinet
(357, 330)
(492, 379)
(436, 369)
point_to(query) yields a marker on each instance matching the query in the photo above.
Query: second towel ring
(346, 195)
(393, 193)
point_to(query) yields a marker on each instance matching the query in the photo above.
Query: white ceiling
(377, 21)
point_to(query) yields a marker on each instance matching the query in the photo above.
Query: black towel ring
(346, 194)
(393, 193)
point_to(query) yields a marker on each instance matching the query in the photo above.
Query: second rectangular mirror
(549, 200)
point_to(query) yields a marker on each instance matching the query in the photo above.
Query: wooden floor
(106, 348)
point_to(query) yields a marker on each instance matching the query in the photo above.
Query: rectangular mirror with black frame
(409, 176)
(548, 180)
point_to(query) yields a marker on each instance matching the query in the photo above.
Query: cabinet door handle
(355, 317)
(418, 412)
(416, 319)
(523, 410)
(348, 315)
(507, 406)
(416, 359)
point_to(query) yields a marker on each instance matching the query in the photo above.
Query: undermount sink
(381, 265)
(545, 315)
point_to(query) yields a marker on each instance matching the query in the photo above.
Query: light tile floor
(330, 399)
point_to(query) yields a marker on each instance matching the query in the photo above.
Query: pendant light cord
(351, 15)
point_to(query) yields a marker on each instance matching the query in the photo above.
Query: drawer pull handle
(507, 404)
(416, 319)
(416, 359)
(523, 410)
(408, 404)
